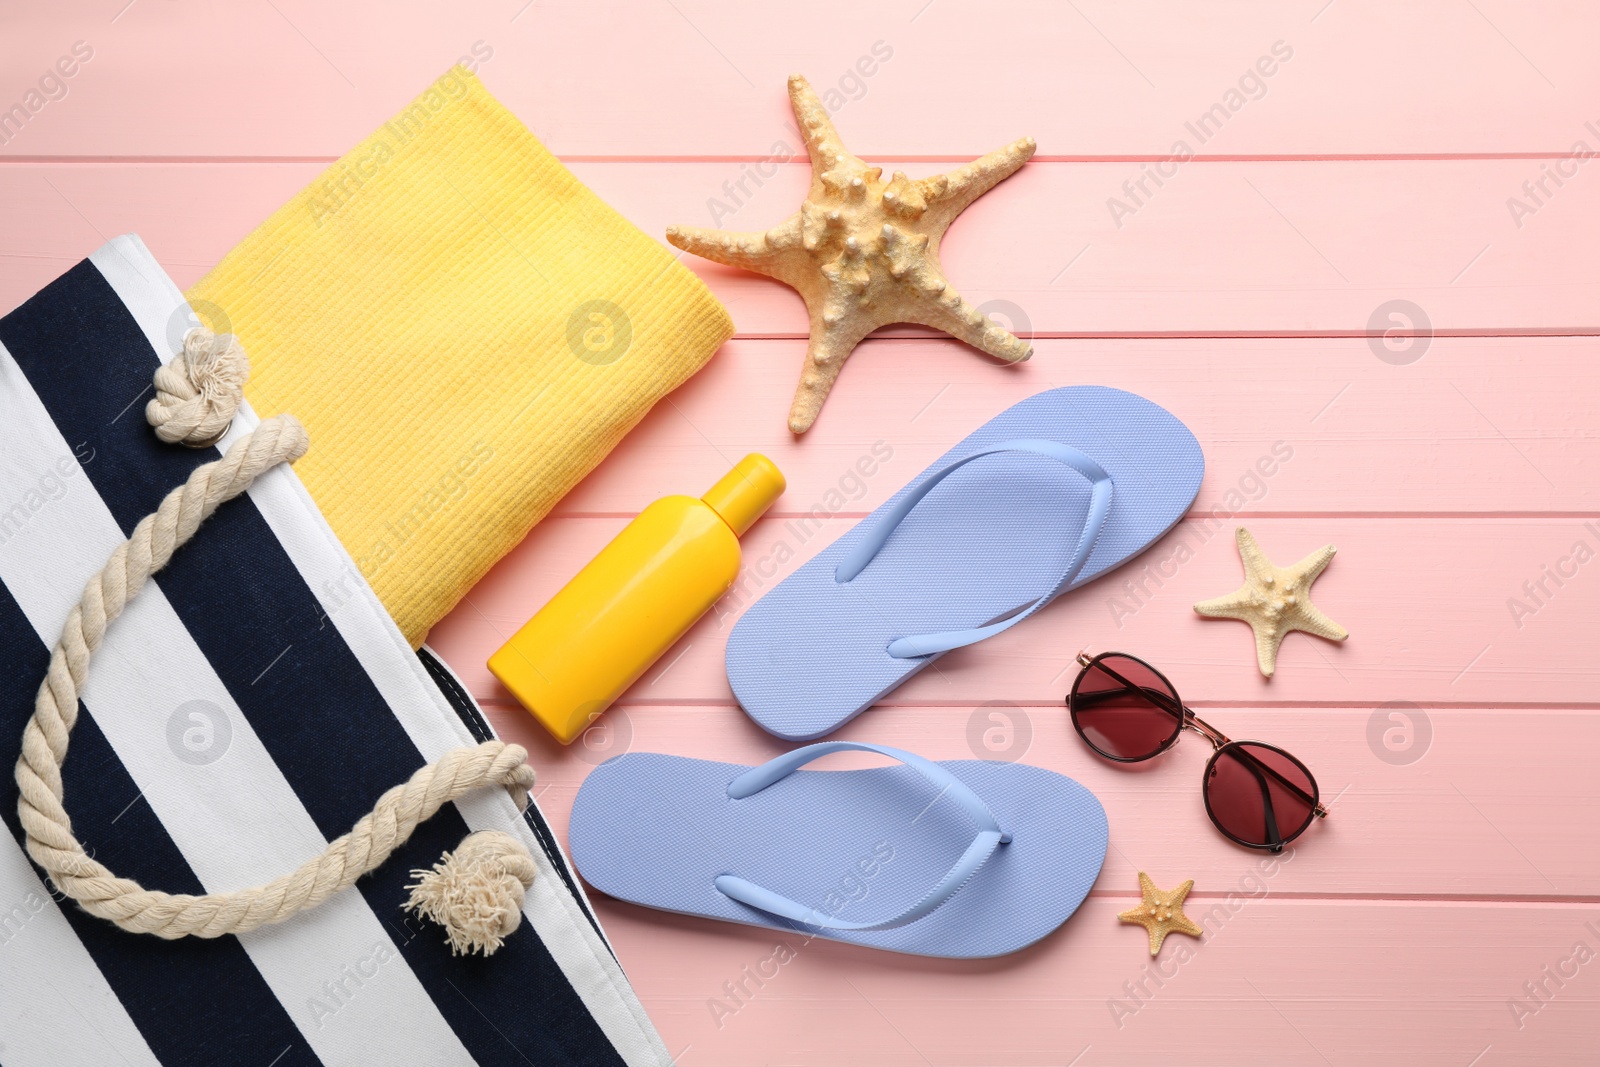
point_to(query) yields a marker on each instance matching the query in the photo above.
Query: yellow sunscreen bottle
(633, 601)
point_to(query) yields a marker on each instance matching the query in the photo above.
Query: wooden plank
(1428, 603)
(1225, 248)
(1278, 981)
(706, 77)
(1475, 426)
(1411, 791)
(1220, 248)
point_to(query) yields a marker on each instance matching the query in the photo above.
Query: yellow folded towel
(465, 331)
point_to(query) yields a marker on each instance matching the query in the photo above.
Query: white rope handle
(476, 893)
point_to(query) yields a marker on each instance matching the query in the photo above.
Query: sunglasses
(1257, 794)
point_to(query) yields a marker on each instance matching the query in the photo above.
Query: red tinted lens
(1259, 795)
(1124, 709)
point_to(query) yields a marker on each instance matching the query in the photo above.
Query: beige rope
(197, 394)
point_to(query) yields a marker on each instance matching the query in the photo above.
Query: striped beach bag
(247, 709)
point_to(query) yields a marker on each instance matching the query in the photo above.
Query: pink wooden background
(1376, 164)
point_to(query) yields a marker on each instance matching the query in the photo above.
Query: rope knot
(475, 892)
(198, 391)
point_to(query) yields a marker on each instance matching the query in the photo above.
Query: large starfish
(864, 252)
(1275, 600)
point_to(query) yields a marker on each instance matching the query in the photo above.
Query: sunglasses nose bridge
(1188, 724)
(1218, 739)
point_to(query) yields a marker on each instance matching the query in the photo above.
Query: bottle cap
(744, 494)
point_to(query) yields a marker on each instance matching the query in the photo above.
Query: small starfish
(1275, 600)
(1161, 913)
(864, 252)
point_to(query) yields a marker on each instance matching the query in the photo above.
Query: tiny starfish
(1161, 913)
(864, 252)
(1275, 600)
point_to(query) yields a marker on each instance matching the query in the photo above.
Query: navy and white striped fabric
(250, 705)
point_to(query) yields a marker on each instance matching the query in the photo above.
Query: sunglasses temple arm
(1269, 814)
(1155, 696)
(1253, 763)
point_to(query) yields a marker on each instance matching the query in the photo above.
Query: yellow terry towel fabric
(464, 329)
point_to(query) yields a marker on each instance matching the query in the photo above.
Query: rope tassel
(472, 894)
(475, 892)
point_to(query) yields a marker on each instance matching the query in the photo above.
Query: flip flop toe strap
(877, 535)
(987, 839)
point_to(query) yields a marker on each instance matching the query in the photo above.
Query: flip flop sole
(857, 845)
(811, 654)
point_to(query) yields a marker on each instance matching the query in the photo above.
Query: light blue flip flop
(963, 859)
(1048, 495)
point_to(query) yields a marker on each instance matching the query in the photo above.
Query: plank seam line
(1580, 900)
(1505, 516)
(500, 703)
(1213, 335)
(99, 159)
